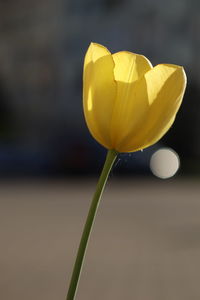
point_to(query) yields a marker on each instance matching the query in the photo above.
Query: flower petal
(159, 95)
(129, 67)
(99, 92)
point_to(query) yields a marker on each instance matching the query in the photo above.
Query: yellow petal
(129, 67)
(99, 92)
(158, 95)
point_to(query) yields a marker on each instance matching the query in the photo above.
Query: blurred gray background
(146, 240)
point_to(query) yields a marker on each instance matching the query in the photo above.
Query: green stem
(110, 158)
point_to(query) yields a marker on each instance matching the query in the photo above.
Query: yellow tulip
(128, 104)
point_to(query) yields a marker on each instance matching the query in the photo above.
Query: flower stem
(110, 158)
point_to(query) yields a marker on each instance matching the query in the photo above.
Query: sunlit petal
(129, 67)
(99, 92)
(158, 95)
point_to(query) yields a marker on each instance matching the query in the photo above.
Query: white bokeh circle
(164, 163)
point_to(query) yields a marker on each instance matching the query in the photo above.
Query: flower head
(129, 104)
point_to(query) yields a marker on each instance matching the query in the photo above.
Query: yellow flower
(128, 104)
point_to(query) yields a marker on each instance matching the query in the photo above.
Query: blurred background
(146, 244)
(42, 129)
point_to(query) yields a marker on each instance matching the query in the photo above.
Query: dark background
(42, 47)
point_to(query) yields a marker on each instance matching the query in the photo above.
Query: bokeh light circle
(164, 163)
